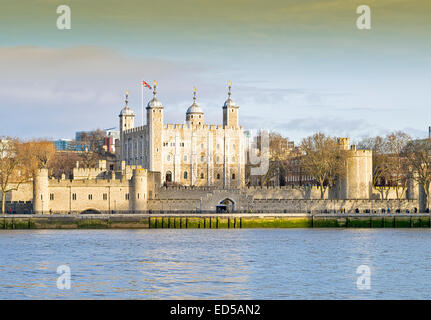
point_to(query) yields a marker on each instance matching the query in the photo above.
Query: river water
(217, 264)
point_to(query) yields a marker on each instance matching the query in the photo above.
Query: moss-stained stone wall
(212, 222)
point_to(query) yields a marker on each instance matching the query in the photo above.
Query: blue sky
(297, 67)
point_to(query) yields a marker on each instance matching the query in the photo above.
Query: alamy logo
(364, 280)
(258, 152)
(63, 281)
(64, 21)
(364, 20)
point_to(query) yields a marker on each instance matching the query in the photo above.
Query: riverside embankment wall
(235, 221)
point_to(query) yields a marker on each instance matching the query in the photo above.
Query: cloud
(54, 92)
(48, 92)
(298, 128)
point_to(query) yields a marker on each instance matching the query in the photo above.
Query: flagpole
(142, 102)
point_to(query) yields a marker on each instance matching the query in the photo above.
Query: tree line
(397, 157)
(20, 160)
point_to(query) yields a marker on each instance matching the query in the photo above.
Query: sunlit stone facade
(191, 154)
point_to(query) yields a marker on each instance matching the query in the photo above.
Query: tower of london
(190, 154)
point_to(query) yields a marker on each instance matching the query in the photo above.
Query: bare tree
(390, 167)
(381, 171)
(63, 162)
(14, 169)
(397, 162)
(90, 147)
(279, 155)
(37, 154)
(418, 155)
(323, 159)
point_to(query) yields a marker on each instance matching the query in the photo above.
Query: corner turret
(41, 192)
(230, 111)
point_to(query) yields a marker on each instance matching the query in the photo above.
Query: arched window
(233, 176)
(185, 175)
(218, 159)
(168, 176)
(202, 176)
(218, 176)
(185, 158)
(202, 158)
(233, 159)
(168, 158)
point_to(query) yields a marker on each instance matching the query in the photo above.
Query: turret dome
(194, 114)
(127, 111)
(154, 103)
(194, 108)
(229, 103)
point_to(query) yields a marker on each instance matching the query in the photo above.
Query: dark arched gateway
(226, 205)
(168, 176)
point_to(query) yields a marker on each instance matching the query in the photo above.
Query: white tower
(127, 121)
(127, 116)
(230, 111)
(155, 132)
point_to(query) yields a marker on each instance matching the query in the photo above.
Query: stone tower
(127, 121)
(138, 190)
(357, 180)
(127, 116)
(230, 111)
(155, 132)
(41, 192)
(194, 114)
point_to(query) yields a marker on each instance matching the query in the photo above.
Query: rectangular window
(90, 197)
(51, 196)
(105, 196)
(73, 196)
(127, 196)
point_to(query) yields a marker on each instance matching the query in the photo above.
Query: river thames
(216, 264)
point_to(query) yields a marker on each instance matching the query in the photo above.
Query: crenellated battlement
(361, 152)
(206, 127)
(288, 187)
(136, 129)
(87, 183)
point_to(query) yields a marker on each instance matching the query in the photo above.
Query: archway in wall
(168, 176)
(91, 211)
(227, 205)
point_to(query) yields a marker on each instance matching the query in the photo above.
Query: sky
(297, 66)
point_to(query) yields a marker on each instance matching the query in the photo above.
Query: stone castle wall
(270, 199)
(139, 190)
